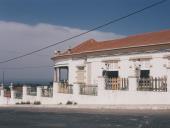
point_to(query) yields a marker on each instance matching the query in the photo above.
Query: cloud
(19, 38)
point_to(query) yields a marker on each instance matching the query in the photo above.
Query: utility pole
(3, 78)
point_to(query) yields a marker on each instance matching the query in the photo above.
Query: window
(80, 74)
(63, 74)
(111, 74)
(144, 74)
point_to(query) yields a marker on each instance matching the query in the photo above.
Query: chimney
(69, 50)
(57, 52)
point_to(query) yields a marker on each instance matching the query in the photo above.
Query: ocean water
(11, 118)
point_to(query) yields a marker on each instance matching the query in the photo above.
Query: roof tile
(151, 38)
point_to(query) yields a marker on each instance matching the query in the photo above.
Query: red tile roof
(146, 39)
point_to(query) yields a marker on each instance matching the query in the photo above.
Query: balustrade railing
(18, 94)
(7, 93)
(88, 90)
(152, 84)
(32, 91)
(66, 88)
(47, 91)
(116, 83)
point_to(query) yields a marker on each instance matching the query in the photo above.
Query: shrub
(60, 103)
(69, 103)
(37, 102)
(75, 103)
(28, 102)
(22, 102)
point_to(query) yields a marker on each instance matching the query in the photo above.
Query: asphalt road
(69, 118)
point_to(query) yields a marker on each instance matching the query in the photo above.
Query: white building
(131, 70)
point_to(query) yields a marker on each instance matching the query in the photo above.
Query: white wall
(157, 65)
(115, 97)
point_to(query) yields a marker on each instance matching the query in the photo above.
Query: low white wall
(104, 97)
(114, 97)
(7, 100)
(117, 98)
(29, 98)
(107, 98)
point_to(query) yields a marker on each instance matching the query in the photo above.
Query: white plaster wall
(73, 68)
(114, 97)
(96, 70)
(158, 69)
(9, 101)
(117, 97)
(108, 98)
(124, 67)
(157, 65)
(29, 98)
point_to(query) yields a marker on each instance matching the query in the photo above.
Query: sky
(27, 25)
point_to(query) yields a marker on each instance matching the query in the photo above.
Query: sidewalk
(114, 107)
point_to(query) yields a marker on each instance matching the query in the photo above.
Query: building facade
(131, 70)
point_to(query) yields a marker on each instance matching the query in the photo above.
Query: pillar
(101, 86)
(24, 91)
(76, 89)
(55, 74)
(132, 83)
(2, 93)
(12, 92)
(76, 92)
(133, 76)
(55, 88)
(39, 89)
(168, 79)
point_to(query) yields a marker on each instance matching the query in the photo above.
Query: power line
(28, 67)
(83, 33)
(17, 52)
(52, 66)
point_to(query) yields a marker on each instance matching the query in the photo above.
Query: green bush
(75, 103)
(60, 103)
(37, 102)
(69, 103)
(22, 102)
(28, 102)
